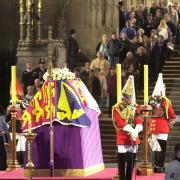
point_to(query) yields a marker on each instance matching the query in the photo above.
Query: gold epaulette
(116, 106)
(167, 104)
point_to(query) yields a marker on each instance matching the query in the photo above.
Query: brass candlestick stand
(13, 164)
(146, 168)
(30, 166)
(50, 78)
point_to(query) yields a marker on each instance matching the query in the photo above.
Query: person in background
(103, 47)
(170, 24)
(140, 15)
(40, 71)
(173, 14)
(3, 128)
(172, 171)
(125, 46)
(122, 15)
(73, 49)
(136, 43)
(163, 30)
(149, 25)
(94, 86)
(131, 32)
(114, 49)
(112, 88)
(28, 76)
(84, 75)
(77, 72)
(29, 96)
(37, 86)
(157, 18)
(100, 63)
(129, 66)
(154, 53)
(153, 8)
(103, 82)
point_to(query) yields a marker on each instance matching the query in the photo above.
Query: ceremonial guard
(126, 116)
(164, 118)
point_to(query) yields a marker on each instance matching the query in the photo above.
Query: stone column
(29, 20)
(21, 23)
(39, 21)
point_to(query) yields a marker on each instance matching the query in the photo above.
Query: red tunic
(123, 137)
(160, 125)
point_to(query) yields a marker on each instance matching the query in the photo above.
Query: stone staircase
(171, 74)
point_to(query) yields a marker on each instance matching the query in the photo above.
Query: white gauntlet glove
(138, 128)
(132, 131)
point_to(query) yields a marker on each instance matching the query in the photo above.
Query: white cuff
(129, 129)
(138, 128)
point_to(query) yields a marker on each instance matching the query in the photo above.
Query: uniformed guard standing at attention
(126, 115)
(163, 120)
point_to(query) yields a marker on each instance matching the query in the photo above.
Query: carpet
(107, 174)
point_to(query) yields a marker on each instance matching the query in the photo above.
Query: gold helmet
(129, 89)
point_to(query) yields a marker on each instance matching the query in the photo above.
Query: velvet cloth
(74, 147)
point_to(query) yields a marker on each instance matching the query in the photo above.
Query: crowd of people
(146, 36)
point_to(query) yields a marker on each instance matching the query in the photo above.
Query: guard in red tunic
(128, 123)
(164, 118)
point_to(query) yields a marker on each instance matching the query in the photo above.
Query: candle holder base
(13, 165)
(145, 169)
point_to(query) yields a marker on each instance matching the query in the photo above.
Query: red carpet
(107, 174)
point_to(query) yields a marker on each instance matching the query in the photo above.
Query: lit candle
(13, 84)
(118, 67)
(145, 84)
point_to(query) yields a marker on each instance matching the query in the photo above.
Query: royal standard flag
(68, 107)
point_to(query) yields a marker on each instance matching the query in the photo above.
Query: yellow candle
(29, 127)
(13, 84)
(145, 84)
(118, 67)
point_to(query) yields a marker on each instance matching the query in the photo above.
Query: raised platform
(107, 174)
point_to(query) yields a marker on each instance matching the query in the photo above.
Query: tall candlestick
(145, 84)
(13, 84)
(118, 70)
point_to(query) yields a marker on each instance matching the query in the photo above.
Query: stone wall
(91, 18)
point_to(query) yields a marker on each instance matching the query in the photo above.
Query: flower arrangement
(60, 74)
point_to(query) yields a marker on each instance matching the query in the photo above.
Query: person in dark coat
(73, 49)
(154, 58)
(40, 71)
(28, 77)
(94, 86)
(84, 75)
(3, 128)
(114, 49)
(142, 59)
(149, 25)
(122, 16)
(125, 46)
(112, 88)
(157, 18)
(170, 24)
